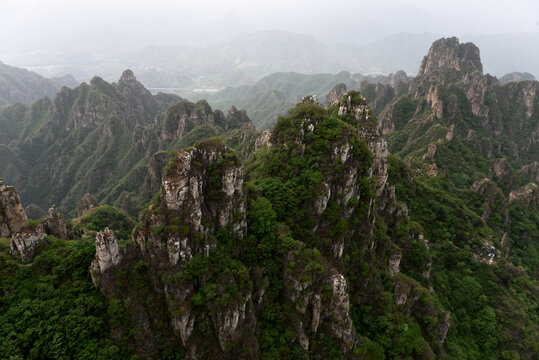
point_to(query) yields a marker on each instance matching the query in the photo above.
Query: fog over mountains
(218, 44)
(243, 59)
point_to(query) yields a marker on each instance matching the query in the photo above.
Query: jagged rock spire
(12, 215)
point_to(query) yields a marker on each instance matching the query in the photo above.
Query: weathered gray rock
(12, 215)
(528, 195)
(184, 116)
(394, 262)
(501, 168)
(107, 251)
(443, 328)
(54, 224)
(25, 243)
(531, 170)
(448, 53)
(203, 189)
(228, 322)
(335, 94)
(320, 310)
(86, 203)
(369, 131)
(263, 139)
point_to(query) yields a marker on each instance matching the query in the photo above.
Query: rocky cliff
(448, 53)
(451, 95)
(468, 146)
(26, 243)
(12, 215)
(202, 191)
(216, 257)
(99, 138)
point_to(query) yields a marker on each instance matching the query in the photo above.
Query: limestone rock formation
(234, 119)
(12, 215)
(358, 107)
(86, 203)
(444, 328)
(394, 262)
(448, 53)
(527, 195)
(335, 94)
(203, 188)
(263, 139)
(531, 170)
(319, 310)
(25, 243)
(54, 224)
(195, 259)
(309, 99)
(107, 253)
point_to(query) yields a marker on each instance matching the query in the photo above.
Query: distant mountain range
(243, 59)
(20, 85)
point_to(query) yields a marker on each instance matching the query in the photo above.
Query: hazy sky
(102, 25)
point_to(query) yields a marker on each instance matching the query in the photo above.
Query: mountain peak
(127, 75)
(448, 53)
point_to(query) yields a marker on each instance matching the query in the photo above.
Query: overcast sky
(102, 25)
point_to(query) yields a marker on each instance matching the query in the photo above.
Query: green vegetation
(441, 264)
(97, 219)
(50, 309)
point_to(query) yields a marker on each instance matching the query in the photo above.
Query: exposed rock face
(235, 118)
(229, 323)
(203, 188)
(24, 244)
(318, 310)
(431, 151)
(444, 328)
(528, 195)
(263, 139)
(202, 192)
(86, 203)
(449, 53)
(436, 103)
(184, 116)
(12, 215)
(504, 174)
(107, 252)
(531, 170)
(369, 131)
(335, 94)
(54, 224)
(394, 262)
(139, 99)
(155, 167)
(309, 99)
(378, 95)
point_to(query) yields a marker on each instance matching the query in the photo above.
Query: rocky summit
(203, 215)
(449, 53)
